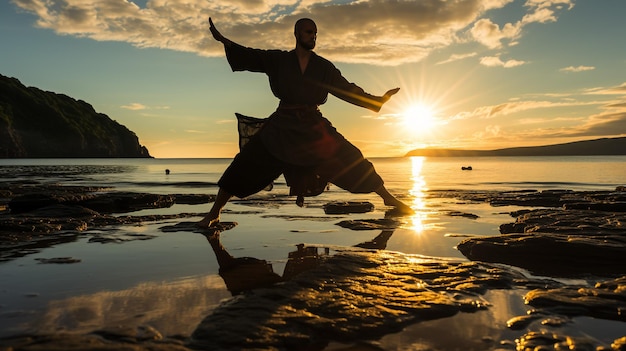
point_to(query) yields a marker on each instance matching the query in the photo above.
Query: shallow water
(171, 281)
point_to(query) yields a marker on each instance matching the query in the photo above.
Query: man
(296, 140)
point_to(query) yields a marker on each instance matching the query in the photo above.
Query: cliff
(39, 124)
(604, 146)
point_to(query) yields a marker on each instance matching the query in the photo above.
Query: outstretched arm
(218, 36)
(388, 95)
(355, 95)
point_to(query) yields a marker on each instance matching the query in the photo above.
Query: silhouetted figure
(296, 140)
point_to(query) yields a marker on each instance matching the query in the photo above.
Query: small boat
(466, 168)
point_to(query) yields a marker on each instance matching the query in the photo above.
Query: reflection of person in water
(242, 273)
(245, 273)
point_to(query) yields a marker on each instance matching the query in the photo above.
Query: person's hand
(389, 94)
(216, 34)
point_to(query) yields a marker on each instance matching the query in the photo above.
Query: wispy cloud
(507, 108)
(495, 61)
(457, 57)
(577, 68)
(618, 90)
(135, 106)
(370, 31)
(226, 121)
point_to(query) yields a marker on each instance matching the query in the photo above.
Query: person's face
(307, 35)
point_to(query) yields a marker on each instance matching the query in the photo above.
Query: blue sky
(478, 74)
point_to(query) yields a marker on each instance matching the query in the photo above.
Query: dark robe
(297, 134)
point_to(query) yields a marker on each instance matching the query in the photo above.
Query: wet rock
(370, 224)
(599, 200)
(550, 254)
(193, 227)
(27, 233)
(555, 321)
(14, 246)
(545, 341)
(193, 199)
(605, 300)
(122, 202)
(25, 199)
(345, 207)
(58, 260)
(463, 214)
(619, 344)
(556, 242)
(119, 237)
(521, 322)
(31, 202)
(141, 333)
(614, 206)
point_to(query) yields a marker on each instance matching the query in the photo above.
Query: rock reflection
(241, 274)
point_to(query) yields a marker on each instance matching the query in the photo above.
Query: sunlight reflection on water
(417, 193)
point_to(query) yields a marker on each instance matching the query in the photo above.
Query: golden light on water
(417, 193)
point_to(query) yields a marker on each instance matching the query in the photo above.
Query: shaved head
(305, 32)
(300, 23)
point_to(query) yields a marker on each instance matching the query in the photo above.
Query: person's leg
(349, 170)
(213, 217)
(391, 200)
(250, 172)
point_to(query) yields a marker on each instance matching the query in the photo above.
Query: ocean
(171, 281)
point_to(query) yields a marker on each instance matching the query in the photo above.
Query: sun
(419, 118)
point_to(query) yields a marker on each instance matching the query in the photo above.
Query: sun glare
(419, 118)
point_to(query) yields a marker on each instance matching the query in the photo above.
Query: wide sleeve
(241, 58)
(352, 93)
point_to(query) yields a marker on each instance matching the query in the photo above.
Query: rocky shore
(564, 254)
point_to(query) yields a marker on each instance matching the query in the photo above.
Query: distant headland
(41, 124)
(596, 147)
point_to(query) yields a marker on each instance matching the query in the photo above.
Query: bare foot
(208, 221)
(399, 207)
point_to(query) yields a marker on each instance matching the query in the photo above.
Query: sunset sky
(474, 74)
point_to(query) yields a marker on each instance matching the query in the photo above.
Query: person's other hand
(389, 94)
(216, 34)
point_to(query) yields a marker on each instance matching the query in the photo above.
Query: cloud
(577, 69)
(225, 121)
(618, 90)
(495, 61)
(457, 57)
(377, 32)
(604, 124)
(617, 105)
(135, 106)
(490, 34)
(507, 108)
